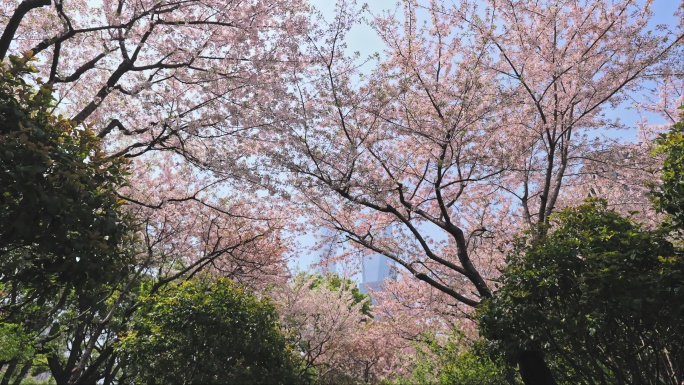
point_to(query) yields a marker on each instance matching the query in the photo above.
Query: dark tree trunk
(533, 369)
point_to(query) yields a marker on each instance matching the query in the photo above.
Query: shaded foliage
(600, 295)
(669, 197)
(62, 234)
(60, 222)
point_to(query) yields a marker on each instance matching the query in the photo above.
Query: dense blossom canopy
(244, 124)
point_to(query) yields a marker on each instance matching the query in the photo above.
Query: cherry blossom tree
(321, 320)
(176, 85)
(177, 88)
(476, 124)
(340, 339)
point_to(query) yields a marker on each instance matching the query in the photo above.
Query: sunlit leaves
(206, 331)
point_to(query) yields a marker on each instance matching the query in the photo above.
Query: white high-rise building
(375, 268)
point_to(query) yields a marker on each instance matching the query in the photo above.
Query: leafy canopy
(206, 331)
(62, 227)
(669, 197)
(60, 220)
(603, 297)
(450, 359)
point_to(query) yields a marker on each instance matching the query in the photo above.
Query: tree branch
(15, 20)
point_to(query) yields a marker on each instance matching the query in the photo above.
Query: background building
(375, 269)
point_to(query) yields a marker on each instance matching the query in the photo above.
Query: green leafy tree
(62, 230)
(600, 295)
(447, 360)
(669, 197)
(60, 222)
(14, 342)
(206, 331)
